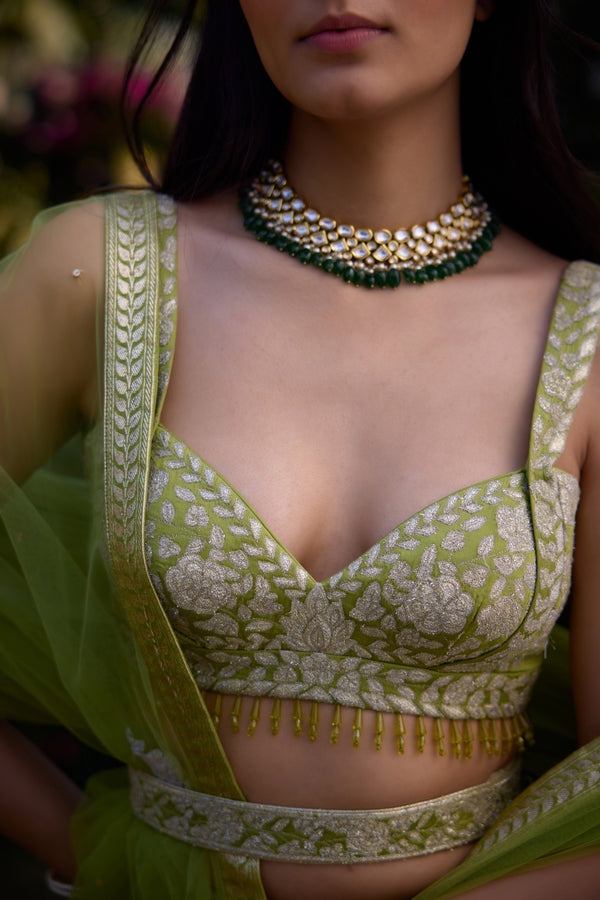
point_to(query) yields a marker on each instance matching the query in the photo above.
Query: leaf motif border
(131, 350)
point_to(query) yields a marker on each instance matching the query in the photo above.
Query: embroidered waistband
(296, 834)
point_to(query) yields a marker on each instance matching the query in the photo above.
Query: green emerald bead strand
(376, 274)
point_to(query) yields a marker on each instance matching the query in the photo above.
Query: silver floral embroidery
(199, 584)
(434, 619)
(293, 834)
(317, 624)
(157, 762)
(514, 526)
(438, 606)
(501, 618)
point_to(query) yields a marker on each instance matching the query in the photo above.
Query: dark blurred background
(61, 67)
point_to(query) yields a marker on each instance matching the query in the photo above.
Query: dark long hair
(233, 120)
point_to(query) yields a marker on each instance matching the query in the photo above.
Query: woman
(336, 406)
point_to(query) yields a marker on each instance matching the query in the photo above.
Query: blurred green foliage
(61, 70)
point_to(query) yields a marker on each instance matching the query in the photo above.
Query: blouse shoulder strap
(566, 365)
(137, 240)
(168, 293)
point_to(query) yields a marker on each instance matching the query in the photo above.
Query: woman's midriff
(287, 769)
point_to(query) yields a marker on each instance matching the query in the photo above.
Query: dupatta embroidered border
(133, 243)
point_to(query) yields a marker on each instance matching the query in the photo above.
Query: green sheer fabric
(86, 642)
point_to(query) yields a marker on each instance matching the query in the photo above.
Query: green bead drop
(409, 276)
(305, 256)
(380, 278)
(348, 275)
(358, 277)
(339, 266)
(393, 278)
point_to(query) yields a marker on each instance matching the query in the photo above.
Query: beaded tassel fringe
(498, 737)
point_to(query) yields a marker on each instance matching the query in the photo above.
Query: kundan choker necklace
(454, 241)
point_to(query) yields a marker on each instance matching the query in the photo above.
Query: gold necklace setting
(366, 257)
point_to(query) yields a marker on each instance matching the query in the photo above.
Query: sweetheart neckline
(338, 574)
(356, 561)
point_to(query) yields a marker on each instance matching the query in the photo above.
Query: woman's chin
(343, 106)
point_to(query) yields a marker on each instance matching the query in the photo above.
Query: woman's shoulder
(537, 279)
(50, 290)
(63, 262)
(65, 249)
(76, 230)
(521, 256)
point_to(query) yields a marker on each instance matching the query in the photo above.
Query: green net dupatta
(84, 640)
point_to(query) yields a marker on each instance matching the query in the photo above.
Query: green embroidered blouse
(448, 615)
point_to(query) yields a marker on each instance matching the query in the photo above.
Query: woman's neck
(391, 171)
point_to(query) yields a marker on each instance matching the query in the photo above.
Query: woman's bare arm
(37, 801)
(48, 386)
(585, 597)
(48, 368)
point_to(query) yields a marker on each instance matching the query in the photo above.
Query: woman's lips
(342, 33)
(348, 39)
